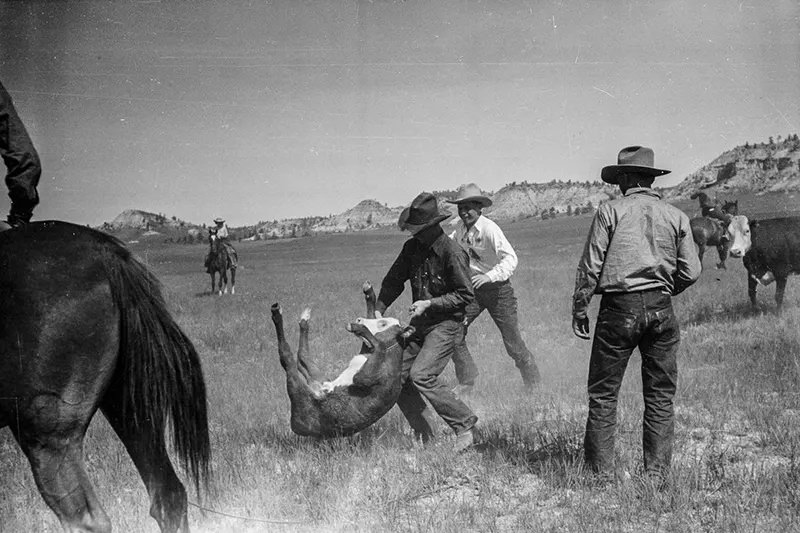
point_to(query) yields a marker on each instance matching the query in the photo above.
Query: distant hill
(763, 167)
(772, 166)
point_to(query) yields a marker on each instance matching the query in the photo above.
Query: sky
(263, 110)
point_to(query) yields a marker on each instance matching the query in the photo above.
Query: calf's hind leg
(293, 377)
(306, 366)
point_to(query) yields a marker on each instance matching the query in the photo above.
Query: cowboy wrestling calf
(358, 397)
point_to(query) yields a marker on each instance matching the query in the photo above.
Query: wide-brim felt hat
(632, 159)
(471, 193)
(422, 213)
(219, 220)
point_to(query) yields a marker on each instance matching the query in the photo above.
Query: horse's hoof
(233, 290)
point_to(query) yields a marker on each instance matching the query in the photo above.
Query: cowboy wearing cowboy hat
(639, 253)
(222, 233)
(492, 261)
(438, 272)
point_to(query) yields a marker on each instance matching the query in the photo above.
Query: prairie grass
(737, 454)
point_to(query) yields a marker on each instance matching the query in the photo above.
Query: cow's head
(383, 331)
(739, 235)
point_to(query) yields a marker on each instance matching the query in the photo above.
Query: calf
(362, 394)
(770, 250)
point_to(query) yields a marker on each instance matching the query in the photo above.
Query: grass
(737, 452)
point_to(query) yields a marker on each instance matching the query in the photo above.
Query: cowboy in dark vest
(22, 164)
(639, 254)
(709, 208)
(492, 261)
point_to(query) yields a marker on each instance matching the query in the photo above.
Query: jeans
(626, 321)
(420, 375)
(499, 300)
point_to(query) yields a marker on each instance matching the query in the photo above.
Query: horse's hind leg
(233, 280)
(722, 250)
(306, 366)
(168, 502)
(57, 464)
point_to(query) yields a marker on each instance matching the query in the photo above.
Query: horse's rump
(79, 316)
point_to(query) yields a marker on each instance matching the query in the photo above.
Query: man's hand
(419, 307)
(378, 314)
(580, 327)
(478, 280)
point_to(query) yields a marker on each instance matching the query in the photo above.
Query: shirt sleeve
(688, 263)
(460, 293)
(394, 282)
(506, 256)
(590, 265)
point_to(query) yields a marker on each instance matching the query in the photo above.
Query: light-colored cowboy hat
(422, 213)
(632, 159)
(219, 220)
(471, 193)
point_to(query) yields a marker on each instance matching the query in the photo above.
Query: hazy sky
(264, 110)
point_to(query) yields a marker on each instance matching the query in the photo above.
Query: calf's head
(739, 236)
(380, 332)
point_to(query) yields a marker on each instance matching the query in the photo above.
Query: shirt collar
(642, 190)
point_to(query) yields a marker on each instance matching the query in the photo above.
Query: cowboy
(220, 230)
(711, 209)
(22, 163)
(639, 253)
(438, 272)
(492, 261)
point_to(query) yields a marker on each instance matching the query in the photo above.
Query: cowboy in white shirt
(492, 261)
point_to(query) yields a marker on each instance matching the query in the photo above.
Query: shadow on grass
(711, 312)
(553, 453)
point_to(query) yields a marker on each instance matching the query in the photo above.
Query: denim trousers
(423, 361)
(499, 300)
(626, 321)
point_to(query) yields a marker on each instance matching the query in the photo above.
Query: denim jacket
(636, 243)
(438, 270)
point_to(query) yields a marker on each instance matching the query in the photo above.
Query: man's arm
(506, 256)
(688, 262)
(590, 264)
(394, 282)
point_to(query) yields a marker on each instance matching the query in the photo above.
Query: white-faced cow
(770, 250)
(362, 394)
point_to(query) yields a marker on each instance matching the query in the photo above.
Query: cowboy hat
(470, 193)
(219, 220)
(422, 213)
(633, 159)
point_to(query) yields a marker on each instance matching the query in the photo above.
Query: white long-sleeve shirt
(489, 251)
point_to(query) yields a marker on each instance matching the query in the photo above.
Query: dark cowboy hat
(422, 213)
(632, 159)
(219, 220)
(471, 193)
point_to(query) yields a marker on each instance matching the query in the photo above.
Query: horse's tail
(159, 366)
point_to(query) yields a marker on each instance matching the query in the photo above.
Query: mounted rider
(22, 163)
(220, 231)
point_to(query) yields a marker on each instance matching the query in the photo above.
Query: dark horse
(83, 325)
(708, 231)
(220, 261)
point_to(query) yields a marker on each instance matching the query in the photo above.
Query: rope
(262, 520)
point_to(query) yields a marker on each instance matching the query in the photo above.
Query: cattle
(770, 251)
(362, 394)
